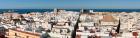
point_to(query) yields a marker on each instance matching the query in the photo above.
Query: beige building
(109, 20)
(13, 33)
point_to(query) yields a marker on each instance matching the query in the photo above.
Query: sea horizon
(22, 11)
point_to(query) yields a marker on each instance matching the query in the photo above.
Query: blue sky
(17, 4)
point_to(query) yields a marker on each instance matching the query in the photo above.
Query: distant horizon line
(69, 8)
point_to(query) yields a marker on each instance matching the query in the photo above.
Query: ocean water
(22, 11)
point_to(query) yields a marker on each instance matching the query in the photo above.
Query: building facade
(12, 33)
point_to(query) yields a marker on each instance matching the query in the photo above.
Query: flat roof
(36, 34)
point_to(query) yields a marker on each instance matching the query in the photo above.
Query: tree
(68, 30)
(40, 29)
(45, 35)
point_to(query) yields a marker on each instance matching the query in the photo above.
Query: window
(15, 34)
(27, 36)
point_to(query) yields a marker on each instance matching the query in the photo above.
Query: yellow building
(13, 33)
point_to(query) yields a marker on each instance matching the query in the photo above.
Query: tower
(55, 10)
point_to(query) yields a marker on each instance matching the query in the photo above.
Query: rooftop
(30, 33)
(108, 18)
